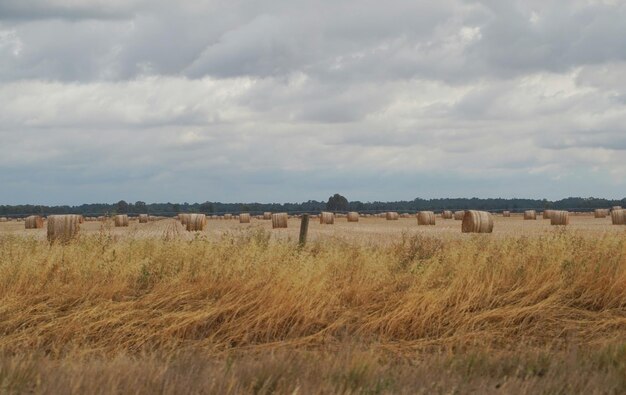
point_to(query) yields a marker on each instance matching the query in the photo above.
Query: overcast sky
(273, 101)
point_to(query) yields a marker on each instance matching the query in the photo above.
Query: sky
(289, 100)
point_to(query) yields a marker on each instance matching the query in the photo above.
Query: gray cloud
(291, 100)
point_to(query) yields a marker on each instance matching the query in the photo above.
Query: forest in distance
(336, 203)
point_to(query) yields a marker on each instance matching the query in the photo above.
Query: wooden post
(304, 229)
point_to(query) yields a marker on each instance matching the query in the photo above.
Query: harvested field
(370, 307)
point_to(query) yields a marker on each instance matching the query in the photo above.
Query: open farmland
(370, 307)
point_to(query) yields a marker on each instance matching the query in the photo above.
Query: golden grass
(115, 305)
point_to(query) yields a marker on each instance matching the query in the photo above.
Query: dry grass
(245, 312)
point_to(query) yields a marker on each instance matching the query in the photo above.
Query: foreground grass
(249, 314)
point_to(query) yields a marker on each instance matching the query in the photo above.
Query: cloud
(292, 100)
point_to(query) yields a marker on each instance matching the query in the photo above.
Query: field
(370, 307)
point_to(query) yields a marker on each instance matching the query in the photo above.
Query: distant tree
(122, 207)
(337, 203)
(176, 208)
(245, 208)
(141, 207)
(207, 207)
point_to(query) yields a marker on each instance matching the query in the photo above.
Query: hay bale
(547, 214)
(244, 218)
(599, 213)
(426, 218)
(267, 215)
(327, 218)
(195, 222)
(559, 217)
(530, 214)
(279, 220)
(353, 216)
(391, 216)
(616, 208)
(618, 217)
(33, 222)
(63, 228)
(506, 213)
(458, 215)
(184, 218)
(228, 216)
(405, 215)
(447, 214)
(4, 219)
(477, 222)
(121, 220)
(143, 218)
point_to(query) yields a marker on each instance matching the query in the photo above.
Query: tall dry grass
(100, 297)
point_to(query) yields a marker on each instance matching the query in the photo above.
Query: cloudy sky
(288, 100)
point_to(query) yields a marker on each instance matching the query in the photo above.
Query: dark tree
(337, 203)
(141, 207)
(206, 207)
(122, 207)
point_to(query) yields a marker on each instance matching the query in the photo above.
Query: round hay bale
(279, 220)
(143, 218)
(4, 219)
(616, 208)
(426, 218)
(121, 220)
(599, 213)
(63, 228)
(405, 215)
(327, 218)
(353, 216)
(392, 216)
(228, 216)
(506, 213)
(244, 218)
(447, 214)
(559, 217)
(267, 215)
(547, 214)
(530, 214)
(458, 215)
(184, 218)
(33, 222)
(195, 222)
(618, 217)
(477, 222)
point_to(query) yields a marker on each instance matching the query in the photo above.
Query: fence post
(304, 229)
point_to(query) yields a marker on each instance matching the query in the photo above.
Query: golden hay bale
(405, 215)
(618, 217)
(599, 213)
(121, 220)
(267, 215)
(506, 213)
(477, 222)
(353, 216)
(392, 216)
(63, 228)
(244, 218)
(530, 214)
(559, 217)
(4, 219)
(184, 218)
(143, 218)
(447, 214)
(547, 214)
(616, 208)
(458, 215)
(195, 222)
(33, 222)
(228, 216)
(327, 218)
(426, 218)
(279, 220)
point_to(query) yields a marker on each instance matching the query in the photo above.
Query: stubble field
(370, 307)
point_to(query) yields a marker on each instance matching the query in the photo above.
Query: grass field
(374, 307)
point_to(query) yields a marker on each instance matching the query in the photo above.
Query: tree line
(336, 202)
